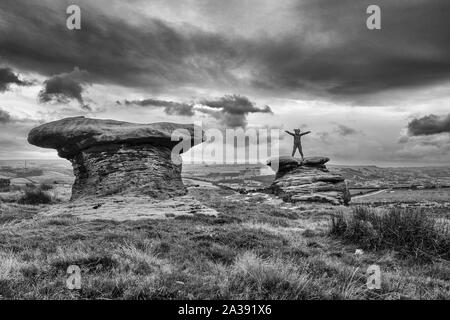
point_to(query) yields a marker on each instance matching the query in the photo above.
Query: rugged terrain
(244, 246)
(256, 246)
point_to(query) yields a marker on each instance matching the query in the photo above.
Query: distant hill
(368, 177)
(372, 176)
(357, 176)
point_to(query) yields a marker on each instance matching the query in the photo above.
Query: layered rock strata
(308, 180)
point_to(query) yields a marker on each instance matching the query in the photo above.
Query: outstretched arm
(289, 133)
(305, 133)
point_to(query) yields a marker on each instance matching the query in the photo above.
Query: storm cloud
(5, 117)
(429, 125)
(312, 61)
(153, 53)
(342, 57)
(232, 110)
(170, 107)
(63, 88)
(8, 77)
(317, 55)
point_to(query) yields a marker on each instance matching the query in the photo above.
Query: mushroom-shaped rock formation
(119, 158)
(308, 180)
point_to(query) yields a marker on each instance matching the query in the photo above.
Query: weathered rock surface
(308, 180)
(119, 158)
(120, 208)
(69, 136)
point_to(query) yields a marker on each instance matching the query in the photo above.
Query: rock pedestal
(120, 158)
(308, 180)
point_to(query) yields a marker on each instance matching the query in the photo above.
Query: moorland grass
(248, 252)
(34, 196)
(411, 232)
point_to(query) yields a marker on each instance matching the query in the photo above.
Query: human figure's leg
(301, 151)
(294, 149)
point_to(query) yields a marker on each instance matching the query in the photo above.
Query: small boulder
(314, 161)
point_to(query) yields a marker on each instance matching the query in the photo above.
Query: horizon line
(382, 164)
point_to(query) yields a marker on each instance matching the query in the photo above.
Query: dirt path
(370, 194)
(201, 183)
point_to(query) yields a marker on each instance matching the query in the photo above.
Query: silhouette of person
(297, 140)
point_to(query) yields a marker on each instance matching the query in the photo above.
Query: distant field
(438, 195)
(359, 192)
(37, 171)
(365, 178)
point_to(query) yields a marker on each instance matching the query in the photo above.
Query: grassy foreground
(253, 250)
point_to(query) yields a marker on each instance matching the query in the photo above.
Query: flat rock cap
(71, 135)
(286, 163)
(307, 161)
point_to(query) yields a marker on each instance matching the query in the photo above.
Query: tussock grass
(10, 265)
(411, 232)
(12, 213)
(238, 255)
(141, 261)
(253, 277)
(82, 255)
(45, 186)
(35, 196)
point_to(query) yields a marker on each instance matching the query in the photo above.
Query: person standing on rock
(297, 140)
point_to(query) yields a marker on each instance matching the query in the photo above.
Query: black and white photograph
(241, 151)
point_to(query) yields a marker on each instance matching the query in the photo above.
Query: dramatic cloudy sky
(368, 96)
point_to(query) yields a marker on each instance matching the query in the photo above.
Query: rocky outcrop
(308, 180)
(119, 158)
